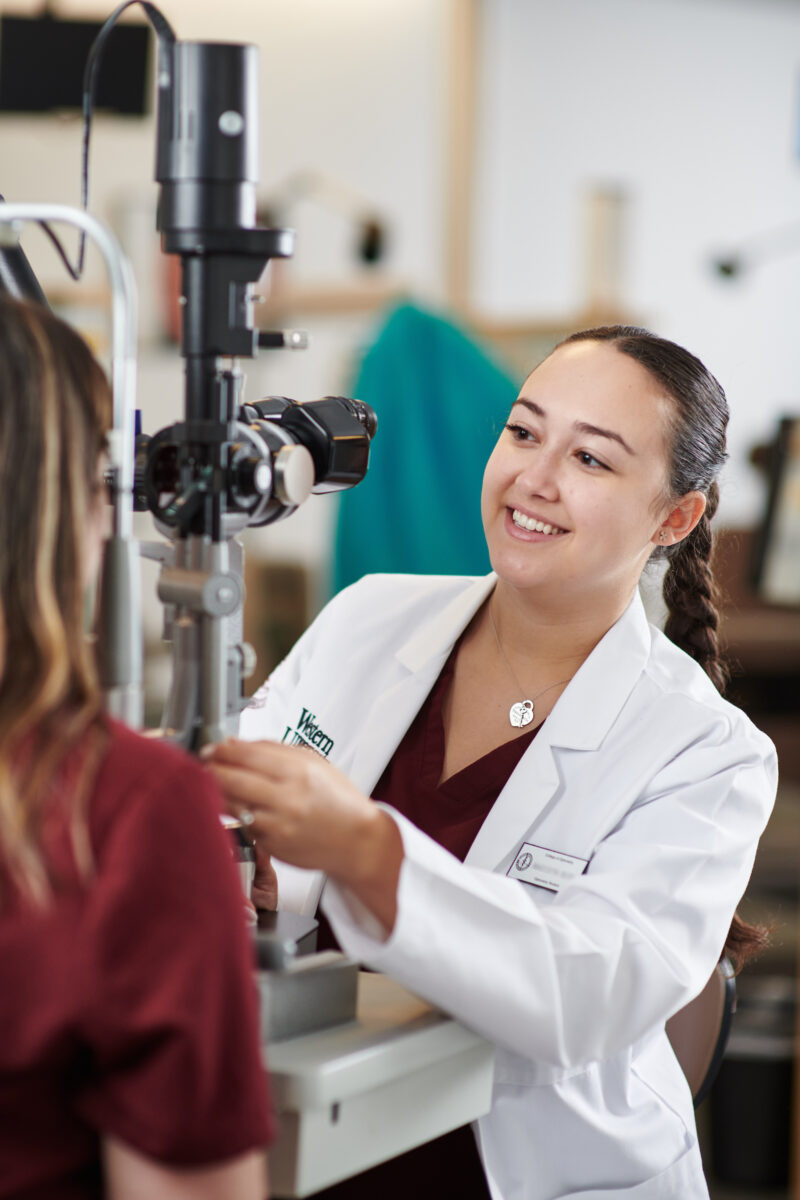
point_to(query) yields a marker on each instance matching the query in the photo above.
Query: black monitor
(42, 60)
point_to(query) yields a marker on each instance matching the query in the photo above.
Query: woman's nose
(539, 475)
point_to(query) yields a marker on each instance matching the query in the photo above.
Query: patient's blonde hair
(54, 413)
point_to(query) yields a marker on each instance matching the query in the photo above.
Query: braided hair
(690, 595)
(697, 422)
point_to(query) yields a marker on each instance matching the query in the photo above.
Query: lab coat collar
(589, 704)
(439, 636)
(579, 720)
(422, 657)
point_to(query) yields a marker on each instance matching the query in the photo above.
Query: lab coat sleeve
(573, 978)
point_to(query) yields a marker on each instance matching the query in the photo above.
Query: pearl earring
(663, 535)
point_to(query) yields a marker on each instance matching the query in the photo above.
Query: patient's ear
(680, 519)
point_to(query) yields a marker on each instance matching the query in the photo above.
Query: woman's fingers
(302, 809)
(268, 758)
(306, 812)
(279, 813)
(264, 891)
(242, 789)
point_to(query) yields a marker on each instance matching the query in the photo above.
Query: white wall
(354, 89)
(691, 106)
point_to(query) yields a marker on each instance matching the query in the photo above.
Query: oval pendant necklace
(521, 712)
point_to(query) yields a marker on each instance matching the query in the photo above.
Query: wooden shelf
(762, 641)
(361, 296)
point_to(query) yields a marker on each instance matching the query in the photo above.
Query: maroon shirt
(451, 812)
(128, 1006)
(447, 1168)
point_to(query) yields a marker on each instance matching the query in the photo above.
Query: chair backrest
(699, 1032)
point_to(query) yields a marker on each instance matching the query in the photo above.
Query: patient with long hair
(129, 1059)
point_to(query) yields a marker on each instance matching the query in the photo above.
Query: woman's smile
(533, 528)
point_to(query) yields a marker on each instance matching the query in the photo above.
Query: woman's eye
(589, 460)
(519, 433)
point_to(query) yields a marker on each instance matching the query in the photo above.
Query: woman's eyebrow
(579, 426)
(535, 408)
(584, 427)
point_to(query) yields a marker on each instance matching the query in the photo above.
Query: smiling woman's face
(574, 492)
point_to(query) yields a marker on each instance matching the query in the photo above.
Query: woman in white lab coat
(600, 879)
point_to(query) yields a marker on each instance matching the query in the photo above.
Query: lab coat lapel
(390, 716)
(580, 720)
(420, 660)
(528, 791)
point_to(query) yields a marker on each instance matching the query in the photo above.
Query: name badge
(545, 868)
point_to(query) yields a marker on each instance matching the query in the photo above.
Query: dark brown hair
(698, 419)
(54, 413)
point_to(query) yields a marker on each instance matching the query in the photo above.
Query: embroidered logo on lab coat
(308, 733)
(545, 868)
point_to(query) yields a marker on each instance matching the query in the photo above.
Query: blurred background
(470, 180)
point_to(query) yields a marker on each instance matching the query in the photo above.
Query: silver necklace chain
(521, 712)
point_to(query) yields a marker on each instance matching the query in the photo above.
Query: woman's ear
(680, 519)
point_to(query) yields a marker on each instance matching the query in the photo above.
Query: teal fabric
(441, 403)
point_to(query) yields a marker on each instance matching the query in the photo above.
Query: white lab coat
(642, 771)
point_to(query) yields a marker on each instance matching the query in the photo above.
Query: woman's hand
(306, 812)
(264, 892)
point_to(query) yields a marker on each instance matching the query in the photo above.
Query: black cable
(166, 40)
(16, 274)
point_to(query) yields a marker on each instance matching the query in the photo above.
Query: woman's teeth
(530, 523)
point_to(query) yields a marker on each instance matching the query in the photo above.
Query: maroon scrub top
(452, 812)
(128, 1006)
